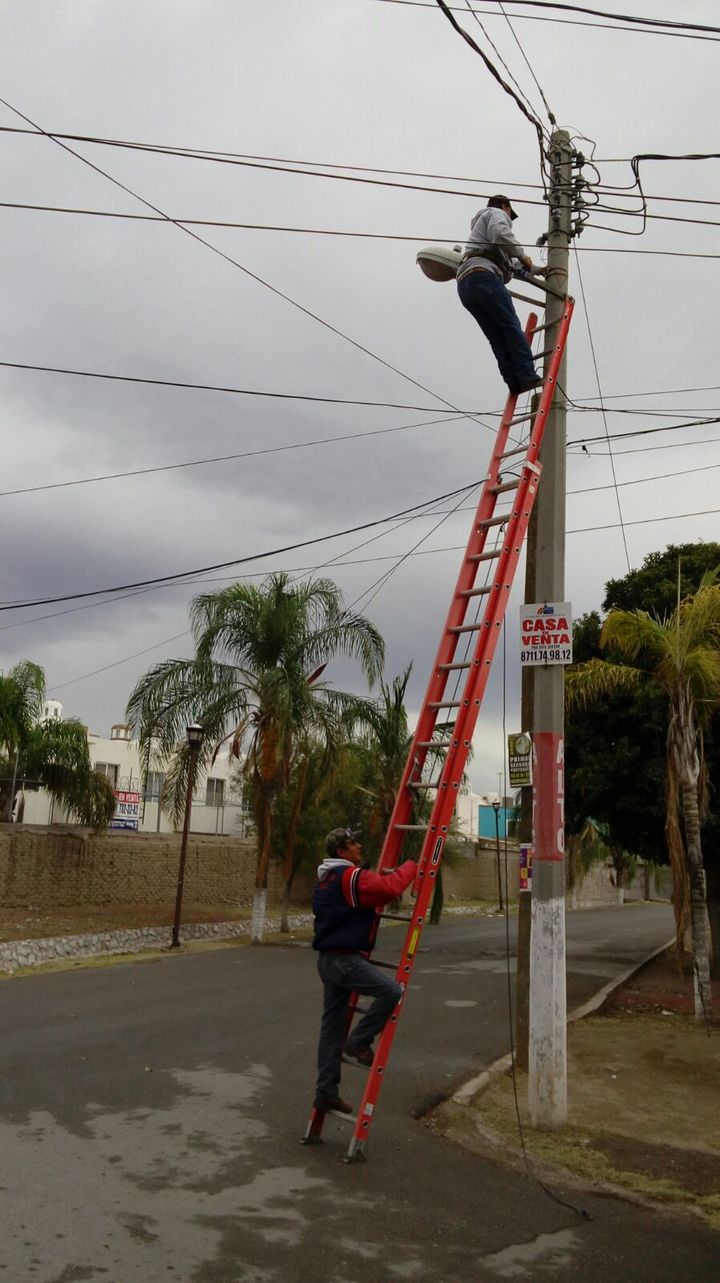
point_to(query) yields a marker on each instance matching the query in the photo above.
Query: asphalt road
(150, 1115)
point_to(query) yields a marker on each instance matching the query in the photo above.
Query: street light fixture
(194, 736)
(496, 809)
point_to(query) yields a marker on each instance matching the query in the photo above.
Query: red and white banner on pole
(548, 783)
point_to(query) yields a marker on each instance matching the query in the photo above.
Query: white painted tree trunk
(257, 924)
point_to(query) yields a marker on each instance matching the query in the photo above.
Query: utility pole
(547, 1043)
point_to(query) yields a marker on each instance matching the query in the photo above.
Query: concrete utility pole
(547, 1045)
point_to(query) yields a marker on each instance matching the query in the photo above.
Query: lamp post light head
(496, 805)
(439, 262)
(194, 735)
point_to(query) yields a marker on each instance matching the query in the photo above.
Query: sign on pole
(526, 866)
(519, 760)
(127, 810)
(546, 633)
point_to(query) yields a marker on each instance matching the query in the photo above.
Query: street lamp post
(194, 736)
(496, 809)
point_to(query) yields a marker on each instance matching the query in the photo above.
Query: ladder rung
(519, 449)
(450, 703)
(389, 966)
(412, 828)
(396, 917)
(523, 418)
(417, 784)
(507, 485)
(545, 326)
(344, 1118)
(526, 298)
(476, 592)
(485, 556)
(537, 356)
(451, 668)
(493, 521)
(465, 628)
(438, 744)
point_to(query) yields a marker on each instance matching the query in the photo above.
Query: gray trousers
(343, 974)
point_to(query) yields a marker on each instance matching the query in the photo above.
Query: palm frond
(587, 683)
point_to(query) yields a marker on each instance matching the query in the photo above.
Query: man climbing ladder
(485, 268)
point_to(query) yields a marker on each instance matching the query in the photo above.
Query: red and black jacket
(345, 900)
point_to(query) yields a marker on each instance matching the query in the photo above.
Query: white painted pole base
(257, 923)
(547, 1044)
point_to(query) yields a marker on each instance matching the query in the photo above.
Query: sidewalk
(643, 1108)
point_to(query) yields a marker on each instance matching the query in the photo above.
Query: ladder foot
(312, 1139)
(356, 1152)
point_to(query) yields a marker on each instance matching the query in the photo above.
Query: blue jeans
(343, 974)
(487, 299)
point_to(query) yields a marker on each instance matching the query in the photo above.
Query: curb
(482, 1081)
(17, 955)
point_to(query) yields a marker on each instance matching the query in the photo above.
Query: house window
(110, 769)
(154, 781)
(214, 792)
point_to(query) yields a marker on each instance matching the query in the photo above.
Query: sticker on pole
(546, 633)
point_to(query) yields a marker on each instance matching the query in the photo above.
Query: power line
(229, 158)
(641, 481)
(236, 561)
(391, 557)
(332, 231)
(223, 458)
(217, 387)
(645, 432)
(228, 258)
(620, 17)
(573, 22)
(602, 407)
(537, 126)
(224, 158)
(546, 105)
(493, 46)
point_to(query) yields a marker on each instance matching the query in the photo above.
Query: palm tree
(53, 754)
(385, 742)
(255, 680)
(679, 656)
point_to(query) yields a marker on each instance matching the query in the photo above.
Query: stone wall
(63, 868)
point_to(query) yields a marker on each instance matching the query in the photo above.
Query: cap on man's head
(339, 839)
(497, 202)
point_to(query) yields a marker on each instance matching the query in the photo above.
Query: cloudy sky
(329, 83)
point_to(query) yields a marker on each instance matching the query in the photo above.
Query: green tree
(52, 754)
(255, 679)
(680, 657)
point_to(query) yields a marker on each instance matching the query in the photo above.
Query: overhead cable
(235, 561)
(536, 124)
(602, 407)
(229, 259)
(686, 31)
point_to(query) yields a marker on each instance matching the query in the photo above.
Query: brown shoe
(362, 1056)
(328, 1104)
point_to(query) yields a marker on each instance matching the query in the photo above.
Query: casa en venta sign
(546, 633)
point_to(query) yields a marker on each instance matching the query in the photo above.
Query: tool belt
(492, 255)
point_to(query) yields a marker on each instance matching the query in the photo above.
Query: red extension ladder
(441, 744)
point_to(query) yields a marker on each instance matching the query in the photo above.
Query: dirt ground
(643, 1101)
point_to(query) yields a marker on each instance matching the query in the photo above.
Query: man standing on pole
(487, 264)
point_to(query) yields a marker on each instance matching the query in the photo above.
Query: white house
(218, 803)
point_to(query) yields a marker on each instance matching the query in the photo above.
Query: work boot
(362, 1056)
(329, 1104)
(527, 385)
